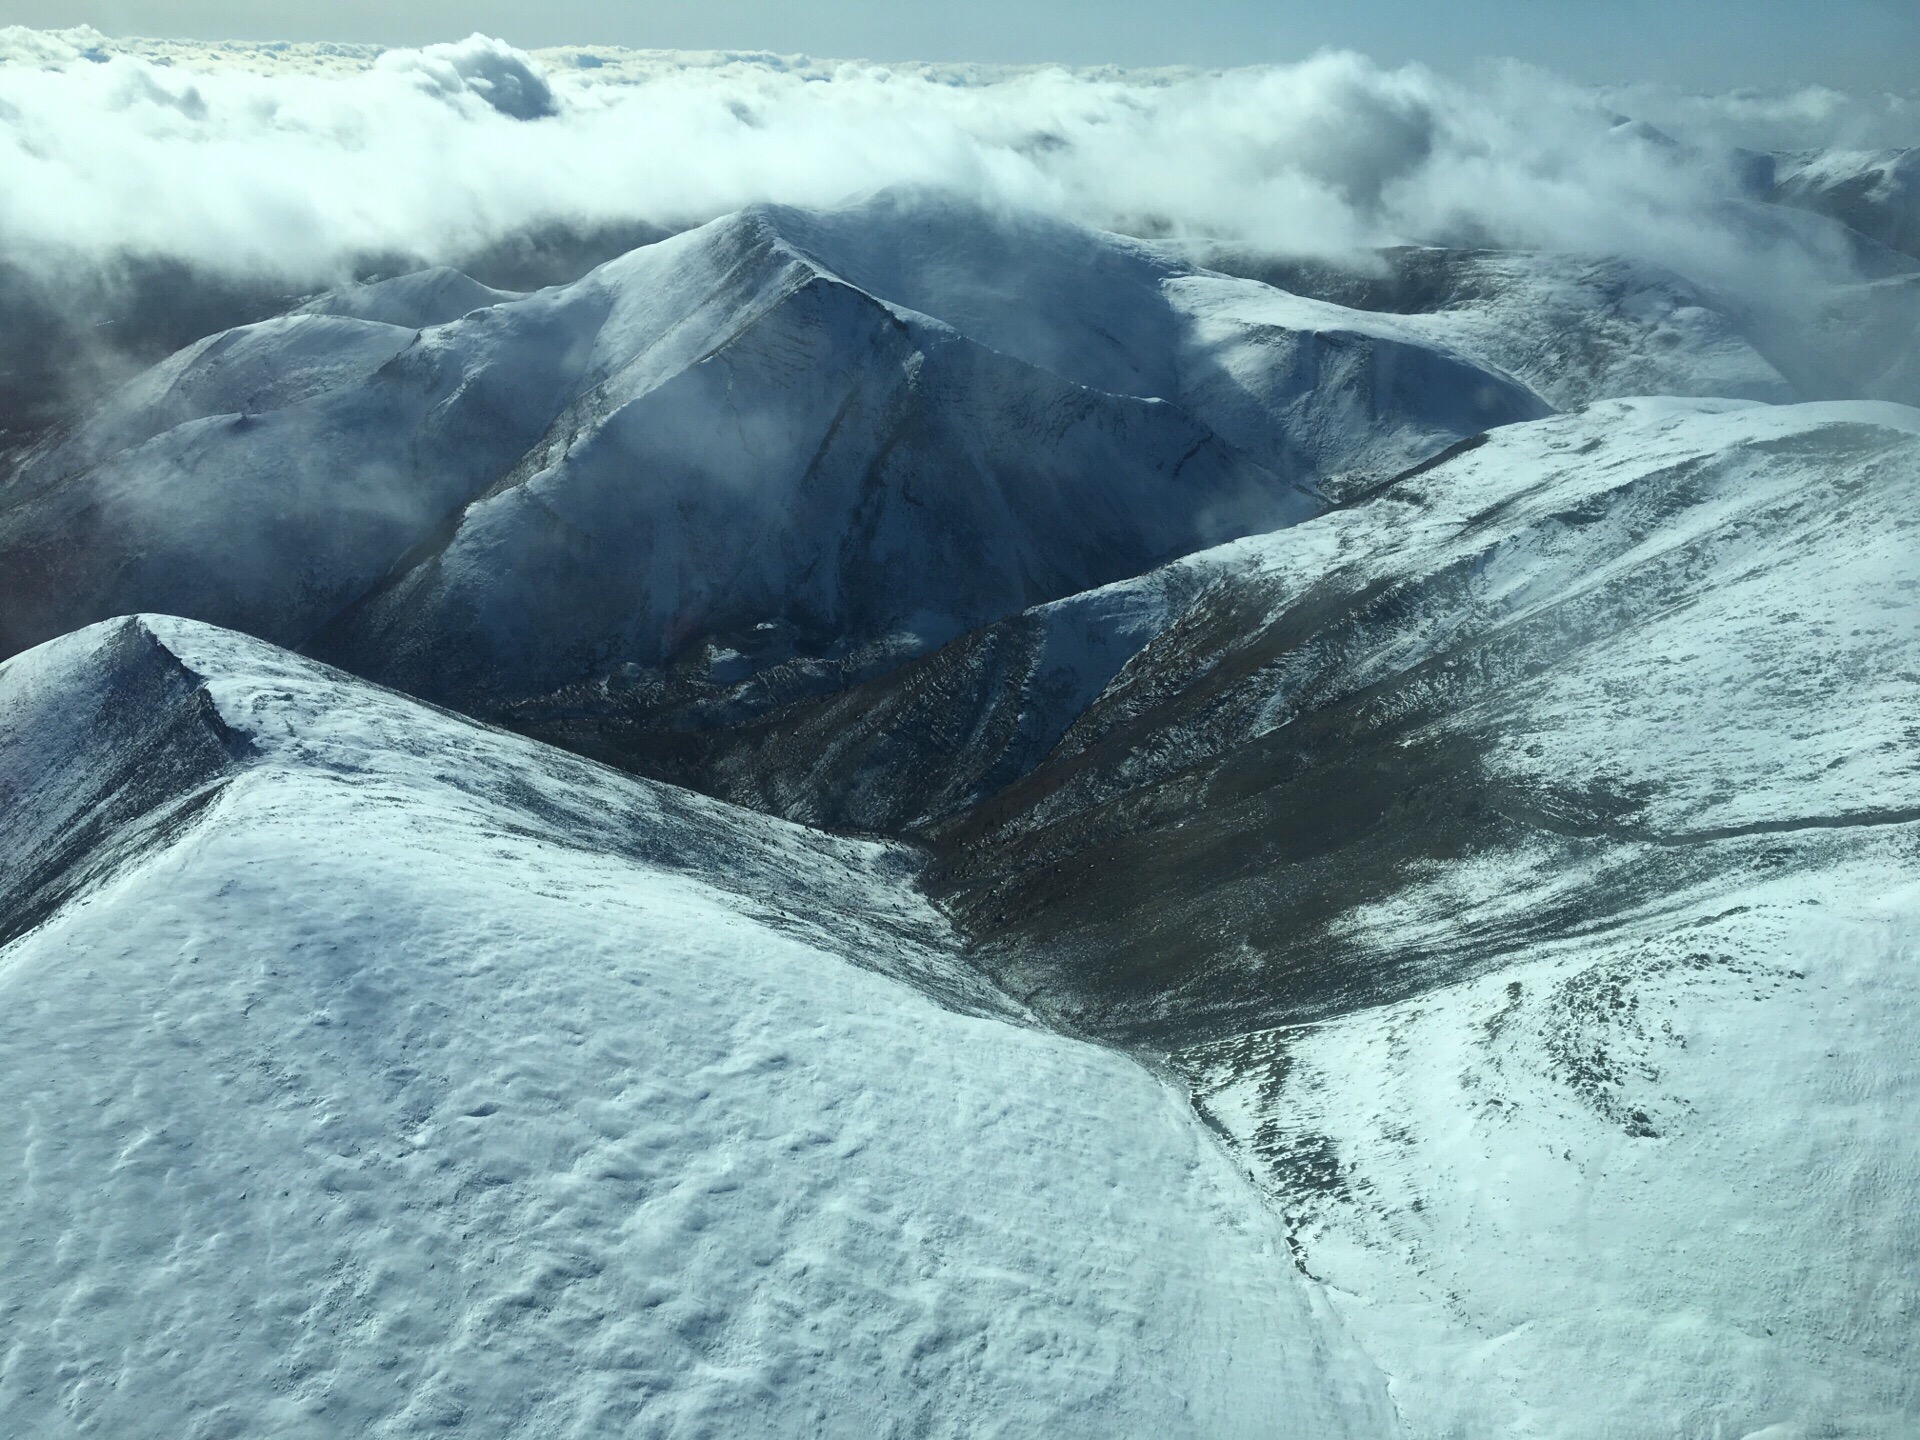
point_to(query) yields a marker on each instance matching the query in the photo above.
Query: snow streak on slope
(424, 1077)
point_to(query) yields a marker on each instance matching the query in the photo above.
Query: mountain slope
(1607, 634)
(1502, 852)
(1651, 1176)
(1494, 859)
(832, 470)
(1313, 391)
(1575, 328)
(837, 438)
(376, 1071)
(1876, 192)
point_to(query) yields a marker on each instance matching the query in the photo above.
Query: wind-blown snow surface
(373, 1072)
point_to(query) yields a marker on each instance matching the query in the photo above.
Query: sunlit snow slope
(1523, 864)
(371, 1072)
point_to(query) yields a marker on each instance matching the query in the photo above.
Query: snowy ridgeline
(375, 1072)
(813, 444)
(382, 1071)
(1505, 862)
(872, 428)
(1499, 866)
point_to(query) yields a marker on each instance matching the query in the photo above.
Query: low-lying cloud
(292, 163)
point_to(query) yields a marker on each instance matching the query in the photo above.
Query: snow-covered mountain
(1575, 328)
(786, 451)
(1400, 647)
(1241, 873)
(373, 1071)
(1494, 858)
(1876, 192)
(417, 300)
(869, 428)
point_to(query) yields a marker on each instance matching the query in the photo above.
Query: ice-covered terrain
(373, 1073)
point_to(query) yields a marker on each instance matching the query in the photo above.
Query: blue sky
(1714, 44)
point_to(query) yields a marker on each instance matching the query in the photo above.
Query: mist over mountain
(729, 744)
(163, 189)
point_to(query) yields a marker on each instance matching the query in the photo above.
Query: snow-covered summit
(376, 1071)
(861, 431)
(434, 296)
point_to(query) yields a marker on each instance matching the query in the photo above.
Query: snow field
(374, 1103)
(1654, 1181)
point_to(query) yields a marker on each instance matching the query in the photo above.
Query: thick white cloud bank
(292, 162)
